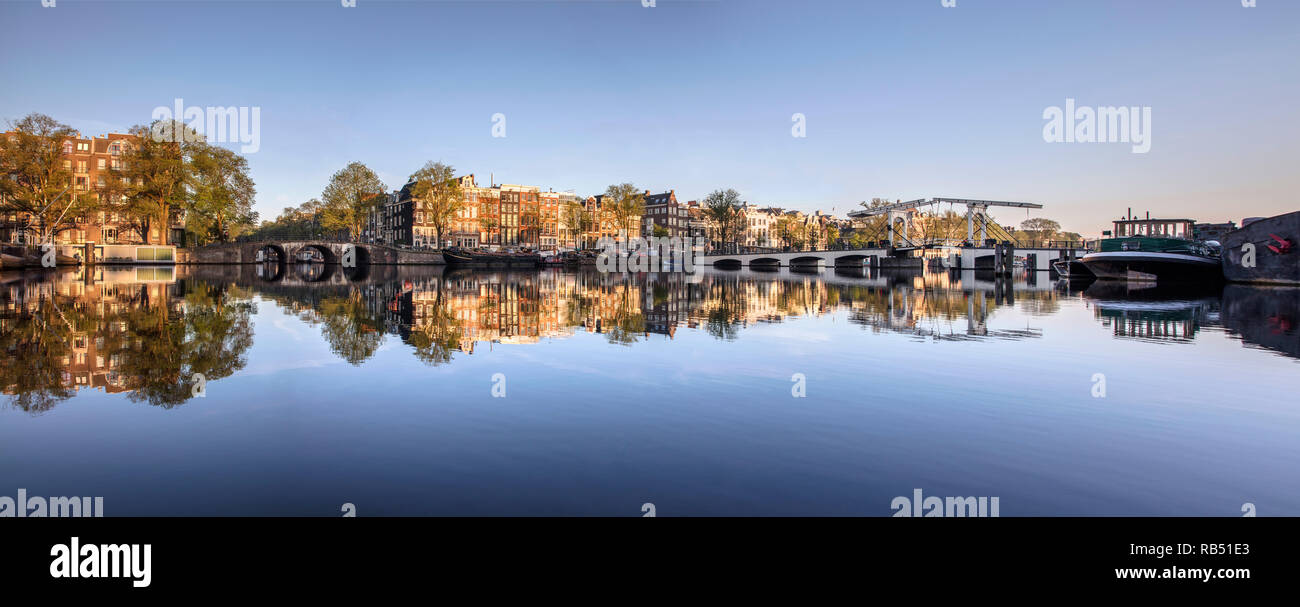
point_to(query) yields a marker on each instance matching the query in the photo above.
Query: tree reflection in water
(147, 339)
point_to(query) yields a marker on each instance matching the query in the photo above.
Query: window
(67, 147)
(100, 164)
(115, 148)
(83, 147)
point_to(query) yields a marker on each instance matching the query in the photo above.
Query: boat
(11, 262)
(1264, 251)
(1155, 250)
(456, 256)
(1072, 269)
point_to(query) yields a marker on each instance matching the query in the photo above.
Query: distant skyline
(903, 99)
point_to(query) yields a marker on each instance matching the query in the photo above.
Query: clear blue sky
(903, 98)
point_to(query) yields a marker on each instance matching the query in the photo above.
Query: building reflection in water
(147, 332)
(138, 331)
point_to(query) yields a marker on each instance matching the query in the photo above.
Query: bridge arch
(326, 254)
(267, 251)
(853, 260)
(765, 263)
(806, 260)
(727, 263)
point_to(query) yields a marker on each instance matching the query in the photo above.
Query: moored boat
(1264, 251)
(1154, 250)
(481, 259)
(1072, 269)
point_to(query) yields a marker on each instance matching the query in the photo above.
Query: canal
(247, 390)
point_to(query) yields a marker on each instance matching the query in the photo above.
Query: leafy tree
(150, 186)
(349, 198)
(723, 208)
(437, 193)
(220, 204)
(577, 220)
(37, 184)
(626, 205)
(1040, 229)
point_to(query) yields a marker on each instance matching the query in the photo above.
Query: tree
(149, 187)
(220, 204)
(791, 231)
(577, 220)
(723, 208)
(626, 206)
(38, 185)
(489, 226)
(1040, 228)
(873, 227)
(660, 231)
(349, 199)
(437, 193)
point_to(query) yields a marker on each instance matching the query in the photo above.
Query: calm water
(378, 390)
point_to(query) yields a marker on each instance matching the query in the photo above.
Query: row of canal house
(512, 216)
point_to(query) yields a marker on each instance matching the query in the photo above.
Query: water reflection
(146, 332)
(136, 330)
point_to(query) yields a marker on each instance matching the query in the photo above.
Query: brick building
(91, 160)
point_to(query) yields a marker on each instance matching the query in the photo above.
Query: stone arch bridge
(292, 251)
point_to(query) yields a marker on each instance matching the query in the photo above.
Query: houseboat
(1154, 250)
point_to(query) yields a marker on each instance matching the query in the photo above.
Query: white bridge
(953, 257)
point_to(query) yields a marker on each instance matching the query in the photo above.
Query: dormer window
(67, 147)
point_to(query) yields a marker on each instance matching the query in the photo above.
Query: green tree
(221, 193)
(1040, 229)
(723, 208)
(349, 199)
(577, 221)
(626, 206)
(437, 193)
(149, 188)
(37, 184)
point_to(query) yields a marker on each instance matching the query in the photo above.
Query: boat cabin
(1155, 228)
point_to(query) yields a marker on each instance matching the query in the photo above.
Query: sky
(901, 99)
